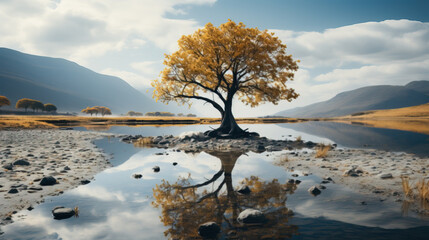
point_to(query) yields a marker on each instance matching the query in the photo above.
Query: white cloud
(79, 30)
(364, 43)
(151, 68)
(134, 79)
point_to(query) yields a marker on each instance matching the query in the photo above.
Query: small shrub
(322, 150)
(299, 139)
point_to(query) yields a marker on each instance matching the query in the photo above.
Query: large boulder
(62, 212)
(208, 230)
(251, 216)
(48, 181)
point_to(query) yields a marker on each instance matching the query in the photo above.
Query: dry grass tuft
(282, 160)
(144, 142)
(76, 211)
(322, 150)
(299, 139)
(423, 192)
(408, 191)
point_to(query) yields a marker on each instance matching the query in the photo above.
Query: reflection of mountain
(361, 136)
(366, 98)
(68, 85)
(184, 206)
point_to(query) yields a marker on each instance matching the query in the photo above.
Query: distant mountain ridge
(68, 85)
(364, 99)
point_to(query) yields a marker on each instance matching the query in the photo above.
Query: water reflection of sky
(116, 206)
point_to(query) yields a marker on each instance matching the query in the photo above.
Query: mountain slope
(66, 84)
(363, 99)
(419, 86)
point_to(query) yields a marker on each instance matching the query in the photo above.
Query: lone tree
(215, 64)
(49, 107)
(4, 101)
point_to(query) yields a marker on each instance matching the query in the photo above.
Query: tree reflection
(185, 206)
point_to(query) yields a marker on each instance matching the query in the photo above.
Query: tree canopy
(97, 110)
(4, 101)
(215, 64)
(29, 103)
(49, 107)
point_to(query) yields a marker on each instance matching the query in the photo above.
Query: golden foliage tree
(36, 105)
(184, 207)
(215, 64)
(4, 101)
(49, 107)
(97, 110)
(29, 103)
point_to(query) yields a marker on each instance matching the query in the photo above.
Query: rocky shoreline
(367, 171)
(39, 163)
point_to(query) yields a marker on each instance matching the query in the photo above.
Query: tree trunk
(228, 127)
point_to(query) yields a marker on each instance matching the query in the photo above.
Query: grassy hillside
(414, 119)
(364, 99)
(420, 111)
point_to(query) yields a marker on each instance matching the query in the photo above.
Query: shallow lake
(117, 206)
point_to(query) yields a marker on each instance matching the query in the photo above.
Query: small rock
(13, 191)
(67, 168)
(156, 169)
(314, 191)
(208, 230)
(251, 216)
(137, 176)
(260, 148)
(174, 163)
(295, 175)
(84, 182)
(8, 166)
(386, 176)
(244, 190)
(62, 213)
(48, 181)
(21, 162)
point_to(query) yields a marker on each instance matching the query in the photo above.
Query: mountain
(364, 99)
(68, 85)
(419, 86)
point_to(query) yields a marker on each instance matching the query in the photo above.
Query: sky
(342, 44)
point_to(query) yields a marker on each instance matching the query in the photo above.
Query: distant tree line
(159, 114)
(97, 110)
(167, 114)
(134, 114)
(27, 103)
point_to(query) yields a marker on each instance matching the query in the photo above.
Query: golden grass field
(103, 123)
(414, 119)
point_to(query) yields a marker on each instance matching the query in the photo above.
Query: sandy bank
(26, 156)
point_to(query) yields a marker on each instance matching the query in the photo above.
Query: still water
(117, 206)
